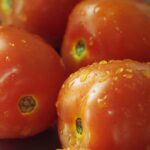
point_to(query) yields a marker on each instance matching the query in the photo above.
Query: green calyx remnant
(80, 47)
(27, 104)
(79, 50)
(79, 127)
(6, 6)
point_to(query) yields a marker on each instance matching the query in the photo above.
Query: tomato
(31, 73)
(105, 106)
(48, 18)
(106, 29)
(73, 148)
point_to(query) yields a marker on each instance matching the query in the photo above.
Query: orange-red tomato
(106, 106)
(47, 18)
(31, 73)
(73, 148)
(107, 29)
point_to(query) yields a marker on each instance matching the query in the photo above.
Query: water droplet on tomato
(7, 59)
(71, 84)
(102, 99)
(84, 76)
(128, 76)
(97, 9)
(91, 41)
(119, 70)
(23, 41)
(110, 112)
(104, 18)
(11, 44)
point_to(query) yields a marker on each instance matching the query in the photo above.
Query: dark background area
(47, 140)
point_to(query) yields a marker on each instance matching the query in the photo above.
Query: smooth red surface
(110, 29)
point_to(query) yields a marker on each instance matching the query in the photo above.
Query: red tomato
(47, 18)
(107, 29)
(31, 74)
(106, 106)
(73, 148)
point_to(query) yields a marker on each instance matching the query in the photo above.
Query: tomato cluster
(83, 64)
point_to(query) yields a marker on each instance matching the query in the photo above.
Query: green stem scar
(79, 127)
(6, 6)
(27, 104)
(79, 50)
(80, 47)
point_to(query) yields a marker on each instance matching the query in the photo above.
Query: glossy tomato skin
(47, 18)
(73, 148)
(106, 106)
(31, 73)
(107, 29)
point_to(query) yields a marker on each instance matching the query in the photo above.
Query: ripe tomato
(73, 148)
(47, 18)
(107, 29)
(31, 74)
(105, 106)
